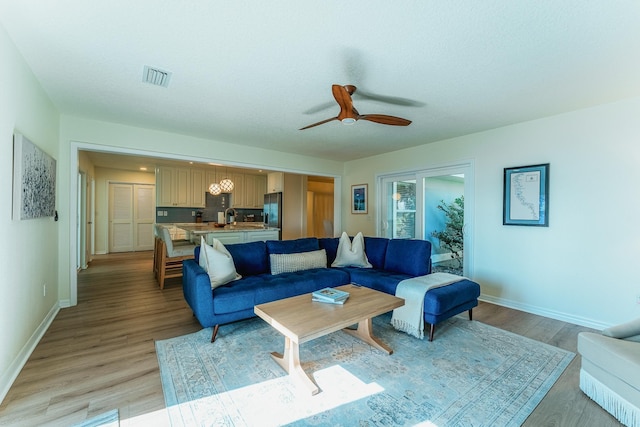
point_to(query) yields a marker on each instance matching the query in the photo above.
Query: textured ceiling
(253, 73)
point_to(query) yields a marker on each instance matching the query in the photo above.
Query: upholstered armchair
(610, 372)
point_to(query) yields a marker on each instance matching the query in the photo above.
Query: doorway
(320, 207)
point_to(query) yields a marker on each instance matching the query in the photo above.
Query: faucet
(226, 213)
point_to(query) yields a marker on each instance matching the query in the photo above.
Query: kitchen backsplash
(215, 204)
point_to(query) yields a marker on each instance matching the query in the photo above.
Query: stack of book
(330, 295)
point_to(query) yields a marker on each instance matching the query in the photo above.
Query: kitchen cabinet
(173, 187)
(260, 190)
(254, 190)
(197, 188)
(239, 190)
(249, 191)
(193, 232)
(226, 238)
(261, 236)
(186, 187)
(275, 182)
(163, 187)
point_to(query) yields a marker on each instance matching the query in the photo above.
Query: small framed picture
(526, 196)
(359, 199)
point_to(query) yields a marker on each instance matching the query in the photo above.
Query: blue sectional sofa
(393, 260)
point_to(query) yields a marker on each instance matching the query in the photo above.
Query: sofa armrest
(196, 287)
(629, 330)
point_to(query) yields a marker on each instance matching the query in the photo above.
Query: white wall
(28, 254)
(580, 268)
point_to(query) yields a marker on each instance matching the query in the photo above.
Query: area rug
(472, 374)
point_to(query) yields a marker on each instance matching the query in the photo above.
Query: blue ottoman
(446, 301)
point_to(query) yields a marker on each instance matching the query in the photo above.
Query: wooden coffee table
(300, 320)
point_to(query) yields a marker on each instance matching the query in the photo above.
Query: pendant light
(215, 189)
(226, 184)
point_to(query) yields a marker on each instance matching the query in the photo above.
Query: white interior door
(131, 217)
(144, 205)
(121, 218)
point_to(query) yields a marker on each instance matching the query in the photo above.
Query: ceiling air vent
(156, 76)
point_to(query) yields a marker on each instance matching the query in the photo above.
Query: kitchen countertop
(204, 228)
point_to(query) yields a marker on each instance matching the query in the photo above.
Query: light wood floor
(100, 354)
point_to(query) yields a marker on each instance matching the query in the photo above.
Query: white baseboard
(540, 311)
(7, 379)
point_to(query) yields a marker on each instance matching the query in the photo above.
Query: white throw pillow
(216, 260)
(351, 254)
(287, 263)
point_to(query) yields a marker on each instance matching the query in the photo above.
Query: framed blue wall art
(359, 199)
(526, 195)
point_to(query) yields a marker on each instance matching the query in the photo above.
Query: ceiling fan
(349, 115)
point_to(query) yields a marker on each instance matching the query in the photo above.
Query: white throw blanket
(409, 318)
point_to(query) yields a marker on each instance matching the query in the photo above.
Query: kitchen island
(241, 232)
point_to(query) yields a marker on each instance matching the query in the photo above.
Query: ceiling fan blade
(385, 120)
(319, 123)
(389, 99)
(320, 107)
(343, 98)
(350, 89)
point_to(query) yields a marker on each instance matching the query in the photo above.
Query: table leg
(365, 333)
(290, 362)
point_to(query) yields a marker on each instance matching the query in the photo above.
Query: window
(410, 207)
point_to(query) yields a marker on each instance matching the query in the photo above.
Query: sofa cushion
(351, 253)
(376, 249)
(253, 290)
(379, 280)
(250, 258)
(306, 244)
(330, 245)
(444, 298)
(288, 263)
(410, 257)
(216, 260)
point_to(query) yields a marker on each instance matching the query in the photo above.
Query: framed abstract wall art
(359, 199)
(34, 180)
(526, 196)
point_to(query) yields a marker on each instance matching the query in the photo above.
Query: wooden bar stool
(171, 257)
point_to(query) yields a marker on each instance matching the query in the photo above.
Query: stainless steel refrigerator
(273, 211)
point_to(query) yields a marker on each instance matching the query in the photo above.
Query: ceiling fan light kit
(349, 115)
